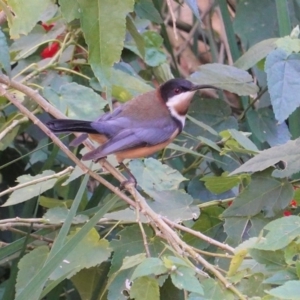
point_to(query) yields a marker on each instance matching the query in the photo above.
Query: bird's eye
(177, 91)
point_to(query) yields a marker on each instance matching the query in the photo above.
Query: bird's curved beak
(203, 86)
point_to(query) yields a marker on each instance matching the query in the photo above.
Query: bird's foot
(124, 185)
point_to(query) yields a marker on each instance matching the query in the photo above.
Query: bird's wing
(132, 138)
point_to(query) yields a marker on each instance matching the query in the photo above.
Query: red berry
(287, 213)
(47, 27)
(50, 50)
(229, 203)
(293, 203)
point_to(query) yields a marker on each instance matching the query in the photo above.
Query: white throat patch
(176, 101)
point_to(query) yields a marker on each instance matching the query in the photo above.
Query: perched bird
(141, 126)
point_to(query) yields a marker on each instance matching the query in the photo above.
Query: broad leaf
(76, 101)
(104, 25)
(288, 154)
(30, 191)
(264, 193)
(184, 278)
(146, 10)
(58, 215)
(215, 290)
(255, 54)
(280, 233)
(149, 266)
(225, 77)
(145, 288)
(283, 71)
(29, 266)
(25, 17)
(90, 252)
(290, 290)
(69, 9)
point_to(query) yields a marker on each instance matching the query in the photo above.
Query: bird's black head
(175, 87)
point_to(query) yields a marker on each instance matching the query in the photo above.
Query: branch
(35, 181)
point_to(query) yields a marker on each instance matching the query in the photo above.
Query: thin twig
(35, 181)
(10, 127)
(173, 19)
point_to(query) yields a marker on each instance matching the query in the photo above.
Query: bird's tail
(66, 125)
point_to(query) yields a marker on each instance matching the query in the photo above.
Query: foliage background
(215, 215)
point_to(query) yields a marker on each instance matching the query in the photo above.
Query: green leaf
(25, 18)
(58, 215)
(288, 154)
(289, 290)
(264, 126)
(104, 25)
(90, 252)
(225, 77)
(54, 202)
(69, 9)
(281, 277)
(282, 71)
(255, 54)
(151, 265)
(202, 125)
(290, 252)
(263, 193)
(182, 207)
(4, 54)
(281, 232)
(132, 261)
(30, 191)
(70, 97)
(38, 280)
(154, 55)
(288, 44)
(146, 10)
(184, 278)
(87, 281)
(243, 140)
(221, 184)
(153, 175)
(29, 266)
(139, 41)
(145, 288)
(214, 290)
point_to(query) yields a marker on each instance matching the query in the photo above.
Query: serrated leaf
(104, 36)
(263, 193)
(90, 252)
(282, 73)
(184, 278)
(151, 265)
(69, 9)
(28, 192)
(146, 10)
(289, 290)
(255, 54)
(29, 266)
(145, 288)
(69, 100)
(25, 17)
(281, 232)
(153, 175)
(225, 77)
(4, 54)
(287, 153)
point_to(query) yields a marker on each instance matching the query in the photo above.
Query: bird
(139, 127)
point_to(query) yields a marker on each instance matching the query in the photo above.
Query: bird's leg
(131, 179)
